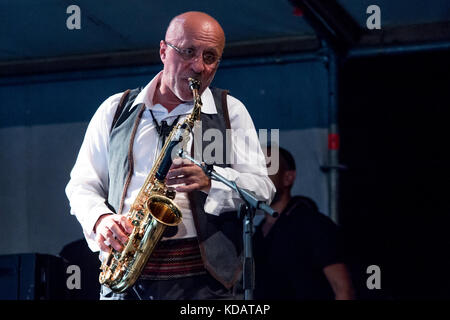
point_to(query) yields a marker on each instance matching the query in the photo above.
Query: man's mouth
(195, 78)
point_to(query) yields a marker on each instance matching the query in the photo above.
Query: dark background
(394, 199)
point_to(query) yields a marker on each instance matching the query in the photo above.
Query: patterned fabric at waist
(173, 259)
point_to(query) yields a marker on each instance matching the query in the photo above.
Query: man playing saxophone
(200, 258)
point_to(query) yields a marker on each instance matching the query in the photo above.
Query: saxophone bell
(164, 210)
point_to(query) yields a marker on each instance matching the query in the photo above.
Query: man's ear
(289, 178)
(162, 50)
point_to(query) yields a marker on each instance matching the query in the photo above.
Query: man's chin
(183, 95)
(187, 98)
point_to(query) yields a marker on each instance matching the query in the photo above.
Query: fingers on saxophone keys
(173, 181)
(115, 244)
(104, 242)
(176, 163)
(179, 162)
(100, 239)
(110, 239)
(188, 187)
(174, 175)
(126, 224)
(118, 233)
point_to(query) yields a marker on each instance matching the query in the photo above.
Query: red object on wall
(333, 141)
(298, 12)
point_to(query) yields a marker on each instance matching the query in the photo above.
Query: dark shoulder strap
(126, 99)
(120, 107)
(220, 99)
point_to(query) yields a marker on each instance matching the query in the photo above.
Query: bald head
(192, 48)
(197, 24)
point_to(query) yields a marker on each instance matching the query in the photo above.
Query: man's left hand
(192, 176)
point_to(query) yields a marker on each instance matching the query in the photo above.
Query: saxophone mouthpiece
(194, 84)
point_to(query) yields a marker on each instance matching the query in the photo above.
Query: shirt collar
(146, 97)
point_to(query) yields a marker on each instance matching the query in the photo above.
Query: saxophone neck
(194, 85)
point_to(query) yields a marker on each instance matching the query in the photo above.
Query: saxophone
(152, 211)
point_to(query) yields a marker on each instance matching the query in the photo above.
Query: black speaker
(32, 276)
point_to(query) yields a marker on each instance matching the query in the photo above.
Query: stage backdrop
(43, 119)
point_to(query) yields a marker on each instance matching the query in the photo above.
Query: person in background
(298, 254)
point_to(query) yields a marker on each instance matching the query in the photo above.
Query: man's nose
(197, 64)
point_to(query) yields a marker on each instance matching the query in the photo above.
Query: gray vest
(219, 237)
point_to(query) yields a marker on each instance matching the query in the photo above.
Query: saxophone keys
(171, 193)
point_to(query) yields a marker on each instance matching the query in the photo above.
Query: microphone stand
(247, 212)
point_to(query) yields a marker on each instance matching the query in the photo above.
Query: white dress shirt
(87, 189)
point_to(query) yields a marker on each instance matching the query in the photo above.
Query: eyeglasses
(188, 54)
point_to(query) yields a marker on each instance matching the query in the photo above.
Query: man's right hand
(114, 229)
